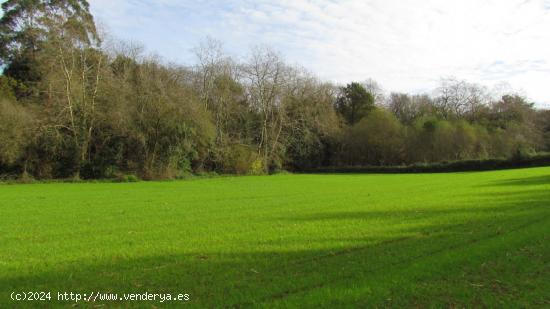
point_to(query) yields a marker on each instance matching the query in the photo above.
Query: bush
(127, 178)
(237, 159)
(206, 174)
(25, 178)
(257, 167)
(281, 172)
(377, 139)
(15, 132)
(442, 167)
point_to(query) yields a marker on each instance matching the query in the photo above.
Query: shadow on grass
(396, 214)
(371, 271)
(508, 201)
(529, 181)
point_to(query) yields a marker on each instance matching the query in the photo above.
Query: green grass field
(464, 239)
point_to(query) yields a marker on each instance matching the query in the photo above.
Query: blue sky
(406, 45)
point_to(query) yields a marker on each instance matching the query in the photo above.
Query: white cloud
(407, 45)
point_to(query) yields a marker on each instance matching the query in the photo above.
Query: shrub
(15, 132)
(127, 178)
(257, 167)
(441, 167)
(238, 159)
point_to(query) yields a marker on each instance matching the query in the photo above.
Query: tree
(165, 130)
(7, 87)
(375, 140)
(372, 87)
(216, 81)
(16, 127)
(543, 126)
(400, 104)
(517, 117)
(51, 48)
(456, 99)
(69, 106)
(27, 25)
(312, 124)
(211, 64)
(19, 41)
(73, 93)
(407, 108)
(266, 76)
(354, 103)
(234, 125)
(465, 141)
(513, 108)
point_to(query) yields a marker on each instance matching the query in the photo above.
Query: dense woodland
(74, 105)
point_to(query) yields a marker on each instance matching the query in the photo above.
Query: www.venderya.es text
(95, 296)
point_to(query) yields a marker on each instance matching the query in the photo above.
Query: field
(457, 239)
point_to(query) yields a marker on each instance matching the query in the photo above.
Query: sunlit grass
(472, 239)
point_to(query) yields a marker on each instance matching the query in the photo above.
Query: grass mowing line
(286, 293)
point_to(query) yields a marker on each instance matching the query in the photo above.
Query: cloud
(407, 45)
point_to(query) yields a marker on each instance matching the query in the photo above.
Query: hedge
(442, 167)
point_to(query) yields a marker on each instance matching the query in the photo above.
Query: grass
(422, 240)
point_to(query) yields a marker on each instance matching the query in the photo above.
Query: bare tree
(216, 77)
(374, 88)
(265, 75)
(74, 75)
(457, 98)
(212, 62)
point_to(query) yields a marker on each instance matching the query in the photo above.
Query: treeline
(73, 106)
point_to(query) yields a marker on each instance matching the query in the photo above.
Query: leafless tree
(266, 76)
(374, 88)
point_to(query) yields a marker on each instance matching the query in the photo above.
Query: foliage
(127, 178)
(15, 133)
(376, 139)
(7, 88)
(354, 103)
(521, 160)
(73, 108)
(239, 159)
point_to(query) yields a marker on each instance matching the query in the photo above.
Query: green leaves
(354, 103)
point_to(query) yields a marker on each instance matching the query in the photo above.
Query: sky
(405, 45)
